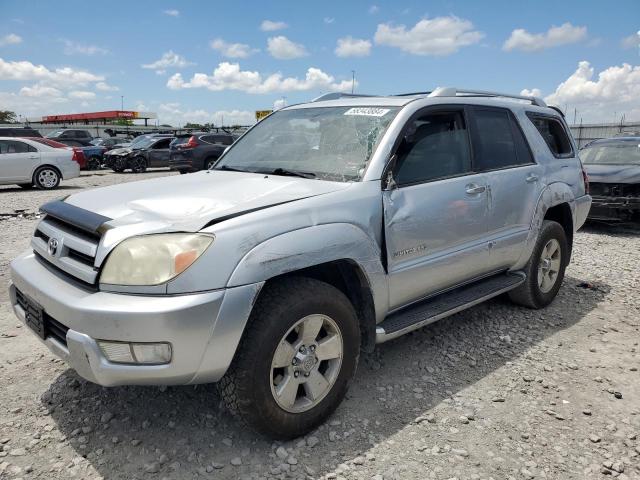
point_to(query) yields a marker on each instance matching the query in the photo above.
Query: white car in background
(28, 163)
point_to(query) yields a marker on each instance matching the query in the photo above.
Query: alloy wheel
(549, 265)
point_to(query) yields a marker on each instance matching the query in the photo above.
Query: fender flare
(315, 245)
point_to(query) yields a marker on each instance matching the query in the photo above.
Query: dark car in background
(198, 151)
(72, 137)
(613, 166)
(19, 132)
(149, 152)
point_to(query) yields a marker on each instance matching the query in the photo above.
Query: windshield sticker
(367, 111)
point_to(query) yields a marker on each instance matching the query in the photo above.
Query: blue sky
(76, 56)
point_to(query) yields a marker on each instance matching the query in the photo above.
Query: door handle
(473, 189)
(532, 178)
(33, 156)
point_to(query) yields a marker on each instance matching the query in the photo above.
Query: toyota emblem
(52, 246)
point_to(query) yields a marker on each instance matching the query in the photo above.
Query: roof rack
(454, 92)
(338, 95)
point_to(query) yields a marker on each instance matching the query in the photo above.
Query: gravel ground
(496, 392)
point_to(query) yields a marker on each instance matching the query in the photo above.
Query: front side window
(620, 153)
(436, 146)
(553, 134)
(329, 143)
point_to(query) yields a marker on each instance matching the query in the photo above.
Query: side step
(445, 304)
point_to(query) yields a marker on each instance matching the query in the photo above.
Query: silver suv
(327, 228)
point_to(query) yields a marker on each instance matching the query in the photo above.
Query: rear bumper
(582, 207)
(70, 170)
(203, 329)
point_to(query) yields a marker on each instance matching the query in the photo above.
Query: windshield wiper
(231, 169)
(292, 173)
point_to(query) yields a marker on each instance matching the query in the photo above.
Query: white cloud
(39, 90)
(430, 36)
(353, 47)
(279, 103)
(82, 95)
(232, 50)
(10, 39)
(172, 12)
(75, 48)
(373, 9)
(169, 59)
(329, 20)
(25, 71)
(632, 41)
(271, 26)
(174, 113)
(534, 92)
(565, 34)
(105, 87)
(229, 76)
(615, 90)
(282, 48)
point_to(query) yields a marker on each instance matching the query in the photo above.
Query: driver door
(159, 153)
(436, 215)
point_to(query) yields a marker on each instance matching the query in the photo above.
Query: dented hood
(599, 173)
(189, 202)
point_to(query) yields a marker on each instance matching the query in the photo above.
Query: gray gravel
(495, 392)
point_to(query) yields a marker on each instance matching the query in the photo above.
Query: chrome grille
(74, 252)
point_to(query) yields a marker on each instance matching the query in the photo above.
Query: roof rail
(453, 92)
(338, 95)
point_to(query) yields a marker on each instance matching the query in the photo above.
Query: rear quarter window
(554, 134)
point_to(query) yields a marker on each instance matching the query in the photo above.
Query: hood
(599, 173)
(189, 202)
(120, 151)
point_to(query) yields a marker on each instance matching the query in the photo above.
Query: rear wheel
(46, 178)
(296, 359)
(138, 164)
(94, 163)
(545, 269)
(210, 162)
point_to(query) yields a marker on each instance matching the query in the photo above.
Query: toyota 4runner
(327, 228)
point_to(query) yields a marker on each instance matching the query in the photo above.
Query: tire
(251, 387)
(209, 162)
(46, 178)
(534, 292)
(138, 164)
(94, 163)
(182, 172)
(119, 164)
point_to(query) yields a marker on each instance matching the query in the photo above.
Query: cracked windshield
(328, 143)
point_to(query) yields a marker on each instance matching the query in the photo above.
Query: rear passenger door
(435, 216)
(514, 181)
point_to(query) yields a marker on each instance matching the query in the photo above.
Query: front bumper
(203, 329)
(613, 208)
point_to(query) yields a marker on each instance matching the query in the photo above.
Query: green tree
(7, 116)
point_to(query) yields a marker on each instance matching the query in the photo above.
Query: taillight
(78, 156)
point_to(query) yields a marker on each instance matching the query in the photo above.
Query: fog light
(144, 353)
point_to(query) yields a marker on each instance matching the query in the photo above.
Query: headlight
(153, 259)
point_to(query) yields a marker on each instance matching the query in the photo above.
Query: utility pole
(121, 102)
(353, 80)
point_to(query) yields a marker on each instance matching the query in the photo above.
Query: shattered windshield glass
(328, 143)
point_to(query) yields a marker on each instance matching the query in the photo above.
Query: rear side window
(12, 146)
(437, 147)
(554, 135)
(498, 141)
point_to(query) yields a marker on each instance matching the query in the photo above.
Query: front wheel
(545, 269)
(138, 164)
(296, 360)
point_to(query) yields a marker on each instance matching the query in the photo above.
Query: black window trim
(549, 116)
(443, 108)
(514, 122)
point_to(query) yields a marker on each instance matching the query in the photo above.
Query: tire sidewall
(36, 180)
(550, 230)
(285, 424)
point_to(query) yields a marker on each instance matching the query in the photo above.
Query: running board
(445, 304)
